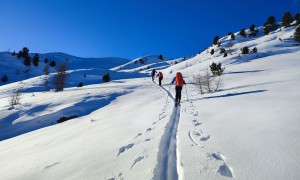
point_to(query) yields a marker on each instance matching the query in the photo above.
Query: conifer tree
(252, 27)
(36, 60)
(297, 18)
(232, 36)
(243, 33)
(52, 63)
(216, 39)
(27, 61)
(245, 50)
(297, 34)
(287, 19)
(212, 51)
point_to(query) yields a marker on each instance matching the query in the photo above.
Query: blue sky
(128, 28)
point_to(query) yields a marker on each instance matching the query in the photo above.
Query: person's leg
(160, 81)
(179, 93)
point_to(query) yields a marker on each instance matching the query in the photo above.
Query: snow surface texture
(129, 128)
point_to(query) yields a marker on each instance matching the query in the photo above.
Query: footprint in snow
(139, 134)
(149, 139)
(124, 148)
(217, 156)
(137, 160)
(205, 138)
(225, 170)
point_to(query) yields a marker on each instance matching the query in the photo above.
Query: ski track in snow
(167, 155)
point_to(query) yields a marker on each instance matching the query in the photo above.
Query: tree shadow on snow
(235, 94)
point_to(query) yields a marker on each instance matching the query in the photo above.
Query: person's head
(178, 74)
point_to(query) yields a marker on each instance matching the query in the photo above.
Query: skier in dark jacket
(160, 77)
(179, 82)
(153, 74)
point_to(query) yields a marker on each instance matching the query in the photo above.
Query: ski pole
(186, 93)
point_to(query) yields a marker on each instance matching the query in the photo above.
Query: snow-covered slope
(130, 129)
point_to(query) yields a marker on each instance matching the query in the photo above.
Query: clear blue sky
(129, 28)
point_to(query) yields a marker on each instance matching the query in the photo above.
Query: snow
(129, 128)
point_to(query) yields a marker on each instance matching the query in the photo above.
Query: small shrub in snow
(232, 36)
(14, 53)
(254, 50)
(106, 77)
(24, 53)
(142, 61)
(36, 60)
(245, 50)
(216, 69)
(297, 34)
(61, 76)
(46, 70)
(80, 84)
(52, 63)
(216, 40)
(212, 51)
(4, 78)
(225, 54)
(27, 61)
(46, 60)
(287, 19)
(266, 30)
(161, 57)
(222, 50)
(15, 98)
(229, 34)
(271, 23)
(252, 27)
(205, 82)
(297, 18)
(63, 119)
(243, 33)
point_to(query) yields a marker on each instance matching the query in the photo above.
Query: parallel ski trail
(167, 155)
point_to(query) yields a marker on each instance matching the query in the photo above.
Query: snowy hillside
(129, 128)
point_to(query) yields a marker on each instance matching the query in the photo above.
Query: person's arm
(184, 82)
(173, 80)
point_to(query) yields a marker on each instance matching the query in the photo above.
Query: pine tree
(52, 63)
(80, 84)
(212, 51)
(161, 57)
(271, 23)
(254, 50)
(36, 60)
(297, 18)
(25, 52)
(266, 30)
(46, 61)
(287, 19)
(106, 78)
(232, 36)
(252, 27)
(243, 33)
(225, 54)
(216, 39)
(217, 69)
(4, 78)
(297, 34)
(245, 50)
(27, 61)
(222, 50)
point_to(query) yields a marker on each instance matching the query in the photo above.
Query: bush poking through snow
(287, 19)
(52, 63)
(297, 18)
(243, 33)
(80, 84)
(254, 50)
(216, 69)
(106, 78)
(222, 50)
(297, 34)
(206, 82)
(36, 60)
(216, 40)
(4, 78)
(161, 57)
(61, 76)
(245, 50)
(15, 98)
(225, 54)
(232, 37)
(212, 51)
(271, 24)
(63, 119)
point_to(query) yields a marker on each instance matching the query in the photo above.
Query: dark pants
(160, 79)
(178, 90)
(153, 76)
